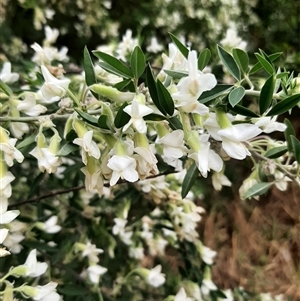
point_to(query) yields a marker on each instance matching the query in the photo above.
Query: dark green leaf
(67, 149)
(265, 64)
(229, 63)
(236, 95)
(257, 189)
(122, 117)
(103, 122)
(137, 62)
(289, 131)
(175, 123)
(87, 117)
(238, 109)
(153, 89)
(266, 94)
(214, 93)
(296, 148)
(123, 84)
(5, 88)
(284, 105)
(189, 180)
(276, 152)
(154, 117)
(258, 65)
(71, 135)
(282, 75)
(165, 99)
(176, 74)
(203, 58)
(241, 58)
(274, 56)
(29, 140)
(114, 63)
(180, 46)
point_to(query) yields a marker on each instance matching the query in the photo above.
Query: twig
(76, 188)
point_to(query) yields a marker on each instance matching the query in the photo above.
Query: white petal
(236, 150)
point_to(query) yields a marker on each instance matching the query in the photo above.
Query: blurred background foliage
(271, 25)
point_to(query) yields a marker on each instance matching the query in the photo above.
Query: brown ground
(258, 243)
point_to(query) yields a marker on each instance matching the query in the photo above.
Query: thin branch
(76, 188)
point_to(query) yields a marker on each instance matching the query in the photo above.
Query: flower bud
(112, 93)
(29, 290)
(20, 270)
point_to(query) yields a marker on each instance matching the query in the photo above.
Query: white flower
(8, 216)
(91, 251)
(119, 226)
(181, 296)
(207, 254)
(191, 87)
(18, 129)
(136, 253)
(95, 271)
(6, 75)
(29, 106)
(49, 226)
(233, 138)
(93, 181)
(247, 184)
(34, 268)
(9, 149)
(3, 234)
(46, 159)
(173, 144)
(53, 89)
(137, 111)
(269, 124)
(207, 286)
(146, 162)
(88, 146)
(154, 46)
(123, 167)
(51, 34)
(232, 40)
(206, 158)
(281, 181)
(5, 187)
(12, 241)
(46, 292)
(127, 45)
(155, 278)
(219, 180)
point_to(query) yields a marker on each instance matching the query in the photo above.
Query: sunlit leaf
(236, 95)
(241, 58)
(265, 64)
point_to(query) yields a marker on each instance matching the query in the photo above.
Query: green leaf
(236, 95)
(238, 109)
(229, 63)
(214, 93)
(189, 180)
(241, 58)
(274, 56)
(258, 65)
(153, 89)
(122, 117)
(137, 62)
(29, 140)
(175, 123)
(265, 64)
(289, 131)
(266, 94)
(87, 117)
(276, 152)
(180, 46)
(5, 88)
(296, 148)
(165, 99)
(123, 84)
(257, 189)
(203, 58)
(282, 75)
(67, 149)
(103, 122)
(176, 74)
(115, 64)
(154, 117)
(90, 76)
(284, 105)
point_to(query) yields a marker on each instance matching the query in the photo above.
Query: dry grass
(258, 243)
